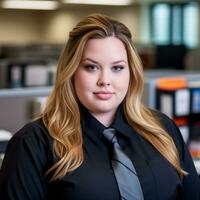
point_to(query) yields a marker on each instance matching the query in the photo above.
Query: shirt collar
(120, 123)
(93, 128)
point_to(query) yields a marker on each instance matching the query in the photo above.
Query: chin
(104, 110)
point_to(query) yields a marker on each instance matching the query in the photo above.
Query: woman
(65, 154)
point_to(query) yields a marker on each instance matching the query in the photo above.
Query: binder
(195, 130)
(183, 125)
(36, 75)
(15, 74)
(173, 97)
(194, 148)
(4, 138)
(182, 102)
(195, 97)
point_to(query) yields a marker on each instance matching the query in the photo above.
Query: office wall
(19, 26)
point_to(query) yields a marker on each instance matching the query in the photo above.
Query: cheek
(123, 82)
(78, 82)
(82, 82)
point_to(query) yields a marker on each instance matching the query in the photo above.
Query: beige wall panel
(58, 24)
(22, 27)
(19, 26)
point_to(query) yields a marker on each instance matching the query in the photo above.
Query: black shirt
(29, 155)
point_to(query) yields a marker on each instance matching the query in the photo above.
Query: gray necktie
(127, 180)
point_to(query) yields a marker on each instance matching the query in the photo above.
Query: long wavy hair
(62, 115)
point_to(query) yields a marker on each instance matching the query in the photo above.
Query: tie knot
(110, 135)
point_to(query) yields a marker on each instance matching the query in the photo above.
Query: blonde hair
(62, 116)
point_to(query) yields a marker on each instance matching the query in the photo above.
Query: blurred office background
(166, 34)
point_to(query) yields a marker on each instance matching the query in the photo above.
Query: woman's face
(102, 79)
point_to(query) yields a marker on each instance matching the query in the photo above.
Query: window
(160, 15)
(190, 26)
(175, 24)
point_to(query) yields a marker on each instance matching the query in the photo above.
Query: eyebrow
(91, 60)
(119, 61)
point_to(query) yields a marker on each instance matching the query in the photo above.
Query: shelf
(25, 92)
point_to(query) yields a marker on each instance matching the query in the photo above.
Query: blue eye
(91, 67)
(117, 68)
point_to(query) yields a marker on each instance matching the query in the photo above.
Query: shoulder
(27, 158)
(168, 124)
(171, 128)
(165, 121)
(33, 135)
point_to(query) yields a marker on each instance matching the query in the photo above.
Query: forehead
(109, 46)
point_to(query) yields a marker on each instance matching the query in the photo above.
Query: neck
(105, 118)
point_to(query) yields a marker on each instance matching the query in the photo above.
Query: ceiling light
(32, 5)
(99, 2)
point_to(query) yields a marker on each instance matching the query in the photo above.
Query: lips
(103, 95)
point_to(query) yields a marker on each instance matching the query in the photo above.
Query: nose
(103, 80)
